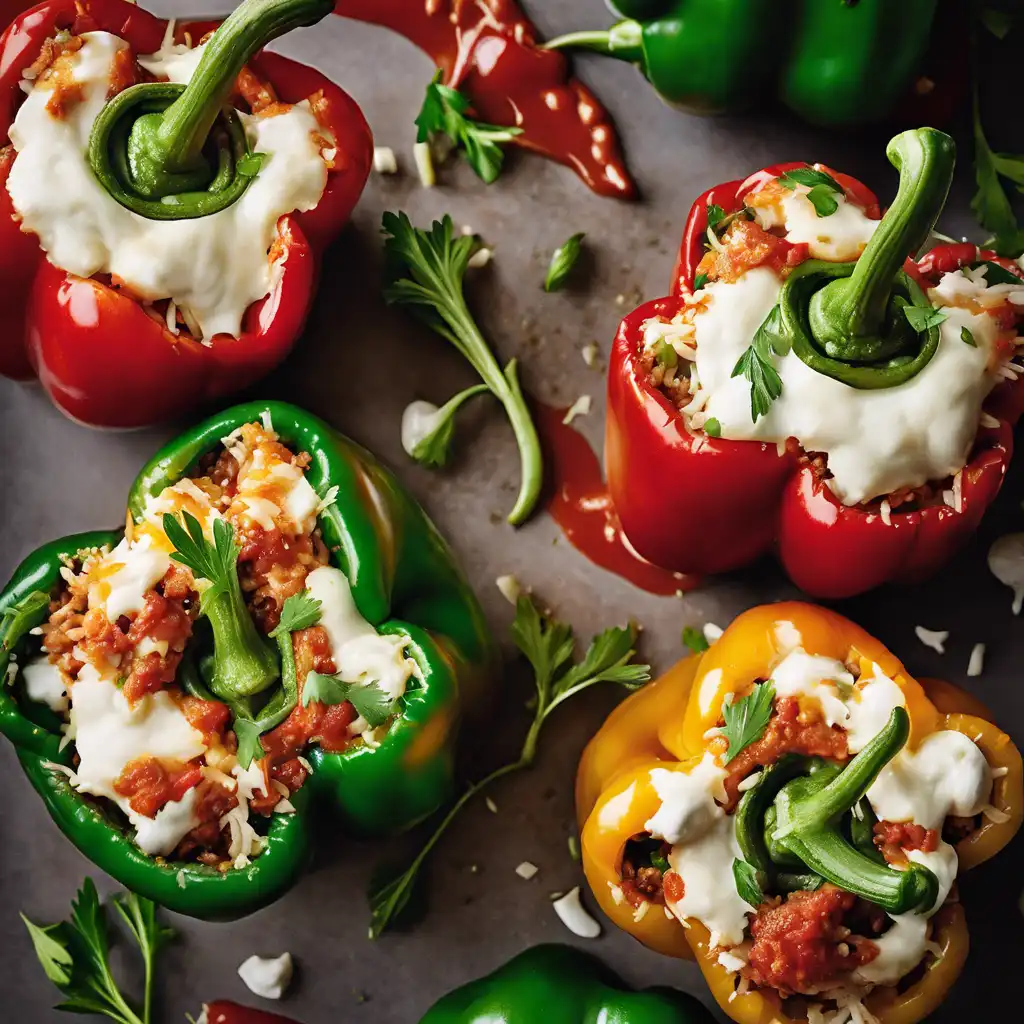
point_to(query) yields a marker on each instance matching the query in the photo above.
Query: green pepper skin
(561, 985)
(832, 63)
(404, 579)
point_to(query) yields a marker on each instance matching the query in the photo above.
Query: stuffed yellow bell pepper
(791, 808)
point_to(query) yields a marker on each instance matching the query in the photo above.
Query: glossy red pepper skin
(222, 1011)
(696, 504)
(100, 357)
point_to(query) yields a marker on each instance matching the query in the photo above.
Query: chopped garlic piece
(267, 977)
(977, 663)
(581, 407)
(384, 161)
(933, 638)
(575, 917)
(526, 870)
(1006, 562)
(510, 588)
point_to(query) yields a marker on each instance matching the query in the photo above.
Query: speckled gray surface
(358, 366)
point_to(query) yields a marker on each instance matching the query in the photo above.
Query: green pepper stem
(186, 123)
(243, 663)
(623, 41)
(859, 306)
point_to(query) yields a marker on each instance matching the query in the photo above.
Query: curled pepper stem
(186, 123)
(243, 664)
(858, 307)
(809, 811)
(623, 41)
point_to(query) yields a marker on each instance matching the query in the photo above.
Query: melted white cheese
(45, 683)
(839, 237)
(109, 733)
(709, 894)
(215, 266)
(360, 653)
(267, 977)
(688, 807)
(876, 440)
(947, 774)
(811, 675)
(140, 566)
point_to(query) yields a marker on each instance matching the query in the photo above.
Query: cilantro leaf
(426, 271)
(967, 337)
(699, 281)
(712, 427)
(247, 732)
(444, 112)
(213, 562)
(924, 318)
(756, 365)
(75, 954)
(810, 178)
(665, 355)
(368, 699)
(694, 639)
(563, 259)
(434, 449)
(747, 719)
(995, 274)
(51, 950)
(19, 618)
(990, 203)
(323, 689)
(548, 646)
(822, 198)
(715, 214)
(748, 882)
(300, 611)
(998, 22)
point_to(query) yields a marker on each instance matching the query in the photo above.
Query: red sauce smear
(224, 1012)
(488, 50)
(581, 505)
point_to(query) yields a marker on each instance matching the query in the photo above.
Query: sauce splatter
(224, 1012)
(581, 505)
(488, 50)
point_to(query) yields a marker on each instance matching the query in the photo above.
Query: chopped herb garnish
(426, 271)
(699, 281)
(967, 337)
(75, 954)
(660, 861)
(712, 427)
(368, 699)
(810, 178)
(300, 611)
(747, 719)
(715, 214)
(549, 646)
(247, 732)
(748, 882)
(665, 354)
(444, 113)
(694, 639)
(995, 274)
(756, 364)
(563, 259)
(923, 318)
(823, 199)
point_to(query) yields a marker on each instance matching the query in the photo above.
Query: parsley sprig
(757, 367)
(426, 271)
(823, 188)
(444, 113)
(747, 719)
(75, 954)
(563, 259)
(369, 700)
(549, 646)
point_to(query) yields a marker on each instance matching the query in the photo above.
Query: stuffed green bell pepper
(833, 62)
(277, 625)
(561, 985)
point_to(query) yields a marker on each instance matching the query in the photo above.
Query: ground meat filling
(793, 729)
(644, 867)
(801, 945)
(148, 646)
(896, 838)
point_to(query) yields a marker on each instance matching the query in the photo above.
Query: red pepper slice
(102, 359)
(222, 1011)
(696, 504)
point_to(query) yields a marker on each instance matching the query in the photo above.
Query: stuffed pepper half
(793, 809)
(809, 387)
(165, 193)
(277, 621)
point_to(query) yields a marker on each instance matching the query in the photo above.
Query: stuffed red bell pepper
(165, 194)
(809, 387)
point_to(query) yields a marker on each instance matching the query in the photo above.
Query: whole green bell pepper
(833, 62)
(561, 985)
(404, 580)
